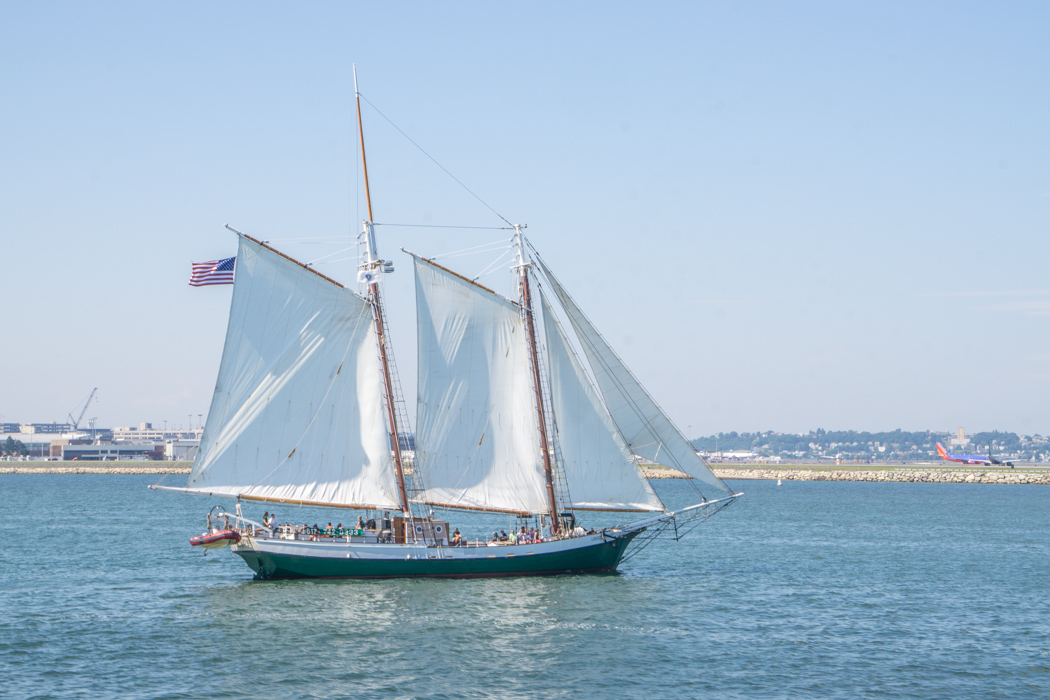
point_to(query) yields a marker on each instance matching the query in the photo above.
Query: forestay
(642, 423)
(297, 415)
(477, 436)
(600, 469)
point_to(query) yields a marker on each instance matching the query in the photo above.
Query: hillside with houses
(862, 446)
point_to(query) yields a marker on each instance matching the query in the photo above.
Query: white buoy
(779, 482)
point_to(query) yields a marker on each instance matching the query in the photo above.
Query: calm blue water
(822, 589)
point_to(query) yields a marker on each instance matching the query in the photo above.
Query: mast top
(361, 136)
(519, 241)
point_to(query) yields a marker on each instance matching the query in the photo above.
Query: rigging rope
(475, 250)
(317, 260)
(485, 228)
(434, 160)
(494, 264)
(308, 239)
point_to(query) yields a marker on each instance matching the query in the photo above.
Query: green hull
(593, 558)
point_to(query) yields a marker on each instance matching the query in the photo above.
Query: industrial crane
(76, 423)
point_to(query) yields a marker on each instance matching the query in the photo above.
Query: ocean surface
(807, 590)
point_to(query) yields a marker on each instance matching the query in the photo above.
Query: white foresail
(297, 415)
(647, 429)
(477, 437)
(598, 466)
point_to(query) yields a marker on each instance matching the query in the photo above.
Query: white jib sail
(297, 415)
(477, 435)
(600, 469)
(650, 434)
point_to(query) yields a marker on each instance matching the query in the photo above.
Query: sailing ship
(510, 419)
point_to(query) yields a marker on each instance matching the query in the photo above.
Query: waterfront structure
(181, 450)
(38, 445)
(105, 452)
(44, 428)
(99, 444)
(147, 433)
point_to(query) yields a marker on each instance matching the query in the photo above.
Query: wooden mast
(376, 266)
(534, 359)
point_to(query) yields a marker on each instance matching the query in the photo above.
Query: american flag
(212, 272)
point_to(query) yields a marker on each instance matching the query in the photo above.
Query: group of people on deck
(523, 536)
(270, 521)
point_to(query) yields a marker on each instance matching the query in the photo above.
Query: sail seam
(316, 413)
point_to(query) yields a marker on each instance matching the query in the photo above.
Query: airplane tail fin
(940, 451)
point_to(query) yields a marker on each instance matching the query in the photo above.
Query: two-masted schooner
(509, 419)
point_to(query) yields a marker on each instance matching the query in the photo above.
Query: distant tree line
(13, 448)
(1000, 441)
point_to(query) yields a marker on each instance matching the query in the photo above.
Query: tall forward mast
(369, 271)
(534, 360)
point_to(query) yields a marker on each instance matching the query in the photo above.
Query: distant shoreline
(922, 474)
(915, 474)
(801, 472)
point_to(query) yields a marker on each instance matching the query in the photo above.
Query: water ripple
(823, 590)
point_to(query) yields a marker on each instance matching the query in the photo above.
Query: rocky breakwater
(938, 476)
(114, 468)
(659, 471)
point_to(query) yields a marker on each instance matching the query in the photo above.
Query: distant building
(146, 433)
(108, 452)
(960, 439)
(45, 428)
(38, 444)
(181, 450)
(61, 441)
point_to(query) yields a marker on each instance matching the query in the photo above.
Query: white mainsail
(477, 435)
(643, 424)
(297, 415)
(597, 464)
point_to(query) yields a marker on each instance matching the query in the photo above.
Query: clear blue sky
(783, 215)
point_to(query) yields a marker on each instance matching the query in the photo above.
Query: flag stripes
(212, 272)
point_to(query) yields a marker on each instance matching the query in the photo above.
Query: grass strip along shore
(794, 472)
